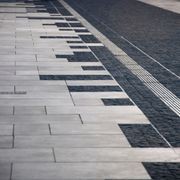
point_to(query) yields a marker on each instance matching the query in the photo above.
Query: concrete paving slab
(71, 141)
(96, 171)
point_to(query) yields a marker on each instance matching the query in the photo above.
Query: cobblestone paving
(63, 113)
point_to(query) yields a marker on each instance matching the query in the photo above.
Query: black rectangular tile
(78, 47)
(86, 68)
(42, 11)
(79, 57)
(75, 77)
(142, 135)
(59, 37)
(89, 39)
(64, 29)
(72, 42)
(48, 24)
(64, 12)
(62, 24)
(163, 170)
(42, 18)
(76, 25)
(81, 30)
(117, 102)
(70, 19)
(94, 88)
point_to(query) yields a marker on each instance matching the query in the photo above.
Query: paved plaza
(87, 96)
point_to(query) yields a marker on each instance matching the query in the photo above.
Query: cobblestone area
(68, 107)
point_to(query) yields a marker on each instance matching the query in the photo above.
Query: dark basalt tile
(62, 29)
(78, 47)
(59, 37)
(79, 57)
(86, 68)
(117, 102)
(89, 39)
(62, 24)
(70, 19)
(163, 171)
(76, 25)
(142, 135)
(48, 24)
(94, 88)
(75, 77)
(72, 42)
(64, 12)
(81, 30)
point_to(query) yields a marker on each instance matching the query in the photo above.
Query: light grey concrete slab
(26, 155)
(5, 171)
(88, 102)
(94, 110)
(35, 101)
(6, 141)
(56, 171)
(77, 95)
(31, 110)
(6, 110)
(92, 82)
(27, 72)
(38, 95)
(69, 128)
(31, 129)
(118, 118)
(15, 77)
(6, 119)
(170, 5)
(6, 129)
(71, 141)
(6, 88)
(52, 88)
(46, 119)
(116, 155)
(32, 82)
(18, 57)
(73, 72)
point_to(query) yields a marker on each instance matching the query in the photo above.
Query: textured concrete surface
(65, 109)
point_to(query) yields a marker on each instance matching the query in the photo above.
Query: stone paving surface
(63, 113)
(148, 76)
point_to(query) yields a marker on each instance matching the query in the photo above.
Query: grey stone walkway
(62, 113)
